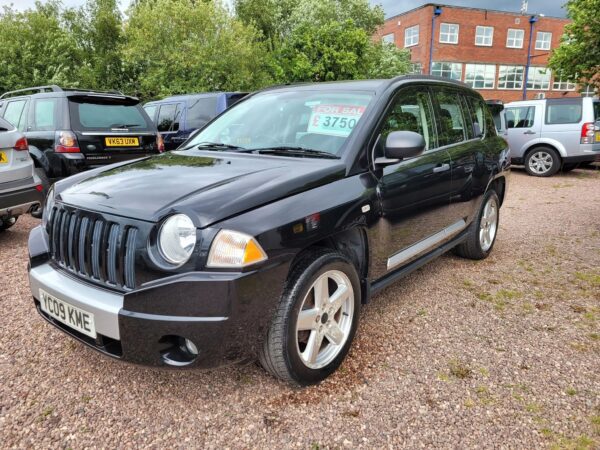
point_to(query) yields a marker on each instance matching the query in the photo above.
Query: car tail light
(21, 144)
(160, 143)
(66, 142)
(39, 188)
(587, 133)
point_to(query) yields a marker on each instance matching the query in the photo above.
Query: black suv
(264, 235)
(70, 130)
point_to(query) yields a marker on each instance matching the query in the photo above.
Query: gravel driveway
(501, 353)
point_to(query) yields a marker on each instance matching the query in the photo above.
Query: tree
(183, 46)
(578, 56)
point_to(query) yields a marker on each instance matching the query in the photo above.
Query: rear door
(111, 128)
(15, 164)
(523, 123)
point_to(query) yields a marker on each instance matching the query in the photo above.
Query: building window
(538, 78)
(484, 36)
(511, 77)
(447, 70)
(514, 38)
(411, 36)
(416, 69)
(388, 38)
(562, 84)
(449, 33)
(480, 76)
(543, 40)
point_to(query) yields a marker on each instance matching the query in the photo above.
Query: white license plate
(68, 314)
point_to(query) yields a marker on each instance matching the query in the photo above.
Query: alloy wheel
(541, 162)
(488, 225)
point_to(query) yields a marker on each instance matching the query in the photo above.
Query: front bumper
(225, 314)
(19, 198)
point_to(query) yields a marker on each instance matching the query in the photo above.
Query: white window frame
(560, 84)
(416, 68)
(514, 38)
(487, 70)
(448, 34)
(389, 38)
(450, 71)
(514, 77)
(539, 78)
(543, 40)
(410, 33)
(483, 38)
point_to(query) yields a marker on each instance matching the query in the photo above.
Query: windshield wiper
(127, 125)
(214, 145)
(287, 150)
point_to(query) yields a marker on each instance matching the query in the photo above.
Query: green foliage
(578, 57)
(165, 47)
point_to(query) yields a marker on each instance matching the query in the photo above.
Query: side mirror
(400, 145)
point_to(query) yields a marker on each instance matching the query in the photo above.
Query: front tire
(542, 162)
(483, 230)
(316, 319)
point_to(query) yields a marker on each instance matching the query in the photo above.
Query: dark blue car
(179, 116)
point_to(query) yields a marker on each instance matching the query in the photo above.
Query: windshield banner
(335, 120)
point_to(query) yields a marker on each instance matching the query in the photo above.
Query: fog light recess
(178, 351)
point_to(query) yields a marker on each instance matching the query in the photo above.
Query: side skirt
(388, 279)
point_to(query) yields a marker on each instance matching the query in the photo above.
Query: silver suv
(552, 134)
(20, 188)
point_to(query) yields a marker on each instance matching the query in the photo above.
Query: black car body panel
(380, 216)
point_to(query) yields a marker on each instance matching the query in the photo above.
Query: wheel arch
(556, 146)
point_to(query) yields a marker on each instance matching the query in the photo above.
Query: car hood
(208, 186)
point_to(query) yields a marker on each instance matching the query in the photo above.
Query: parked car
(265, 234)
(71, 130)
(20, 188)
(179, 116)
(550, 134)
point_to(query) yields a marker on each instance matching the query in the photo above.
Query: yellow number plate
(598, 137)
(3, 158)
(122, 142)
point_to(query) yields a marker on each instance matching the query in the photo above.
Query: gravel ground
(503, 353)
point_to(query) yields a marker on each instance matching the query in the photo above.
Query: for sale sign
(335, 120)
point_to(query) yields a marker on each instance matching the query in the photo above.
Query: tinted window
(477, 111)
(150, 110)
(234, 98)
(411, 111)
(201, 111)
(561, 113)
(14, 113)
(44, 114)
(596, 111)
(168, 117)
(520, 117)
(451, 117)
(104, 116)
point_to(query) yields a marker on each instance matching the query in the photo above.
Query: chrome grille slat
(93, 248)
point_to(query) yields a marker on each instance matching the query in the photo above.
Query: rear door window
(201, 111)
(14, 113)
(520, 117)
(450, 117)
(168, 117)
(45, 112)
(100, 116)
(563, 112)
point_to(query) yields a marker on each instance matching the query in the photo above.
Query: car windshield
(288, 121)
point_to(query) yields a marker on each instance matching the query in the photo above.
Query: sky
(391, 7)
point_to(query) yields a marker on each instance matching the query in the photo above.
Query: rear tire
(483, 230)
(41, 174)
(542, 162)
(316, 319)
(8, 222)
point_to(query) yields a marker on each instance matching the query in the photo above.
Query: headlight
(233, 249)
(48, 207)
(177, 239)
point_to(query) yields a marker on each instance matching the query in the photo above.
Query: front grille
(93, 248)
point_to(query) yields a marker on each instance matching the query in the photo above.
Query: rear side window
(451, 118)
(201, 111)
(150, 110)
(564, 112)
(477, 110)
(14, 113)
(168, 117)
(86, 115)
(520, 117)
(45, 111)
(596, 111)
(234, 98)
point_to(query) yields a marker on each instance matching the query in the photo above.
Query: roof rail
(37, 89)
(92, 90)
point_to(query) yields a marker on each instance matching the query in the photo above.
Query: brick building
(486, 49)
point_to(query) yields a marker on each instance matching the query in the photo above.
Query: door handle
(441, 168)
(529, 132)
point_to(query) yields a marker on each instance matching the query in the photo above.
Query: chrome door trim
(424, 245)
